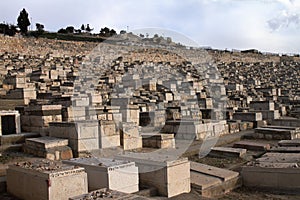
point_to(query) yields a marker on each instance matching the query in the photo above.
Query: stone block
(48, 147)
(233, 127)
(227, 152)
(270, 133)
(132, 143)
(36, 181)
(46, 142)
(286, 122)
(289, 143)
(74, 130)
(275, 171)
(84, 145)
(170, 177)
(262, 105)
(109, 173)
(107, 128)
(131, 113)
(254, 146)
(247, 116)
(109, 141)
(213, 181)
(74, 113)
(158, 140)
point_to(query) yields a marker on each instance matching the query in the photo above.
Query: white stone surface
(113, 174)
(30, 184)
(170, 176)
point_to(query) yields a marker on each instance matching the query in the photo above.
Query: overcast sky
(267, 25)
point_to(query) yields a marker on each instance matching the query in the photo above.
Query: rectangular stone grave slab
(108, 135)
(276, 171)
(213, 181)
(184, 129)
(16, 138)
(109, 173)
(285, 149)
(233, 127)
(129, 136)
(297, 129)
(158, 140)
(275, 133)
(83, 136)
(247, 116)
(254, 146)
(286, 122)
(48, 147)
(47, 142)
(169, 175)
(289, 143)
(227, 152)
(45, 180)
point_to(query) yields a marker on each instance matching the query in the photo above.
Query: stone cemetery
(123, 118)
(45, 180)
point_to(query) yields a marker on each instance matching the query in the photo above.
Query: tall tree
(82, 27)
(23, 21)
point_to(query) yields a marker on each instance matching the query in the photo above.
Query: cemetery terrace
(130, 115)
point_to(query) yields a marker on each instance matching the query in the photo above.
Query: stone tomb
(158, 140)
(109, 173)
(212, 181)
(170, 176)
(45, 180)
(247, 116)
(222, 152)
(109, 136)
(277, 133)
(289, 149)
(289, 143)
(48, 147)
(153, 118)
(10, 122)
(186, 130)
(195, 129)
(233, 127)
(249, 145)
(286, 122)
(83, 136)
(262, 105)
(130, 137)
(36, 118)
(278, 171)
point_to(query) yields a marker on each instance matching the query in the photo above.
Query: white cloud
(286, 18)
